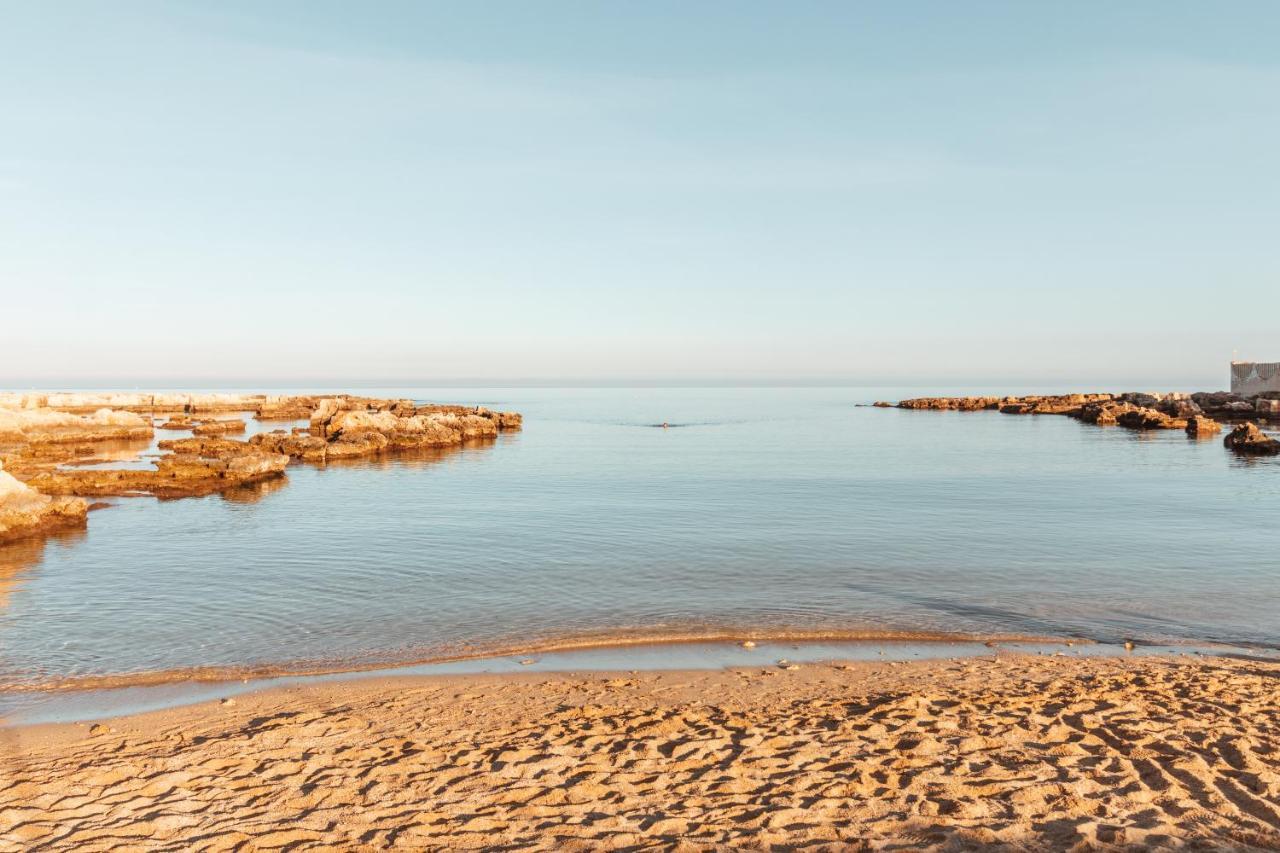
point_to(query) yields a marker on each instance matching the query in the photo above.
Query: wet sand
(1035, 752)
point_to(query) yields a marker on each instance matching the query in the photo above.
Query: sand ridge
(1018, 753)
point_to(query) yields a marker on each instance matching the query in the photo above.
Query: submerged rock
(1248, 438)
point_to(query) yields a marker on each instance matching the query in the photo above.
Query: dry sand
(1028, 752)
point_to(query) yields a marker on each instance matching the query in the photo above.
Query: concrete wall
(1250, 377)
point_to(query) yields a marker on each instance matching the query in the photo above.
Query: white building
(1254, 377)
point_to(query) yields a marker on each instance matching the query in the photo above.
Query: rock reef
(41, 433)
(1136, 411)
(194, 466)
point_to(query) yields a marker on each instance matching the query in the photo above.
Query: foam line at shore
(43, 707)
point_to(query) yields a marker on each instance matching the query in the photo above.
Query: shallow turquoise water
(759, 510)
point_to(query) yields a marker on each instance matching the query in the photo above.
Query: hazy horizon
(890, 194)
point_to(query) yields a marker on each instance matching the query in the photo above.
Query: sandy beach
(1014, 751)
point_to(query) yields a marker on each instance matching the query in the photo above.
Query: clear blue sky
(856, 191)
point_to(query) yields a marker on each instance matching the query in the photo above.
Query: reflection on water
(18, 558)
(773, 510)
(251, 493)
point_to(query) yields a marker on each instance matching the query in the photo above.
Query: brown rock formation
(25, 512)
(1247, 438)
(306, 447)
(195, 466)
(1143, 418)
(1199, 426)
(959, 404)
(1221, 402)
(41, 431)
(286, 409)
(218, 427)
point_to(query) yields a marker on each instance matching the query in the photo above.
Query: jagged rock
(219, 427)
(1180, 407)
(1265, 406)
(178, 422)
(1103, 412)
(297, 446)
(1217, 402)
(25, 512)
(1248, 438)
(1199, 426)
(1143, 418)
(882, 404)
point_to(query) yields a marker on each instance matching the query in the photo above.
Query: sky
(845, 192)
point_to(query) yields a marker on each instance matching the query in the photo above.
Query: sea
(654, 515)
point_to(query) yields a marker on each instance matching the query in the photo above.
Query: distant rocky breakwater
(1198, 414)
(46, 440)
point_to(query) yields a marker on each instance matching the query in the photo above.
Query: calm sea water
(758, 510)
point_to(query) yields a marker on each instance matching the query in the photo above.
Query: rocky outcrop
(1248, 438)
(1104, 412)
(1200, 426)
(1134, 410)
(39, 432)
(348, 428)
(25, 512)
(42, 426)
(305, 446)
(1139, 417)
(1036, 404)
(959, 404)
(1181, 407)
(222, 427)
(286, 408)
(1221, 402)
(193, 466)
